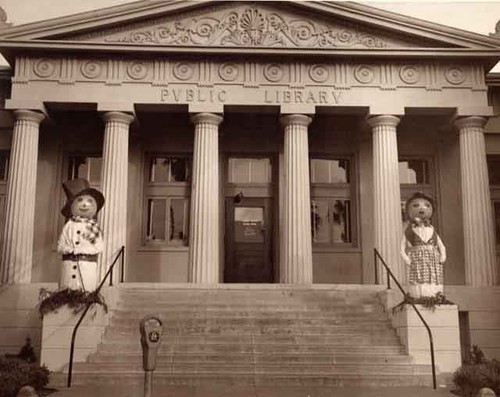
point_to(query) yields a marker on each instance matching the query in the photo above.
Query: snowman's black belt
(79, 257)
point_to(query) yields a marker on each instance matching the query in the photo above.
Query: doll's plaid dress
(424, 256)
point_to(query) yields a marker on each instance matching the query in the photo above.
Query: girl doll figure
(422, 248)
(81, 237)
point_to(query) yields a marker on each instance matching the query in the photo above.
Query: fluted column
(386, 194)
(296, 245)
(479, 239)
(114, 186)
(17, 247)
(204, 220)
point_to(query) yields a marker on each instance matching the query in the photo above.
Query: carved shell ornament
(251, 27)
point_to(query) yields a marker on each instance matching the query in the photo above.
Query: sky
(475, 16)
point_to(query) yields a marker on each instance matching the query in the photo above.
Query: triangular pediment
(251, 25)
(262, 24)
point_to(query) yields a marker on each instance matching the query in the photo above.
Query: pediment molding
(245, 25)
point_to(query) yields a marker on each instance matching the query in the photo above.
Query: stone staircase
(258, 335)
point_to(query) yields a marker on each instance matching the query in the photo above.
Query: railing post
(97, 291)
(375, 264)
(122, 270)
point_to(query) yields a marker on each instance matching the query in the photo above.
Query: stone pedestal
(204, 220)
(479, 238)
(296, 244)
(17, 248)
(57, 329)
(443, 322)
(386, 195)
(114, 188)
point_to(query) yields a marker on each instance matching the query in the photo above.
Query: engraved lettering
(336, 96)
(266, 98)
(164, 95)
(310, 97)
(298, 97)
(323, 97)
(200, 96)
(189, 95)
(222, 96)
(287, 96)
(177, 95)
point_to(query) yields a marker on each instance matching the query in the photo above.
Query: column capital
(119, 117)
(470, 122)
(385, 119)
(295, 119)
(209, 118)
(29, 115)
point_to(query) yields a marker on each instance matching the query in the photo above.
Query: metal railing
(377, 256)
(109, 273)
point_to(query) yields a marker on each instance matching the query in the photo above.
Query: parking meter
(151, 331)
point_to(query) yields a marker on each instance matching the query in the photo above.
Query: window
(249, 170)
(4, 164)
(331, 213)
(494, 178)
(167, 200)
(415, 176)
(85, 166)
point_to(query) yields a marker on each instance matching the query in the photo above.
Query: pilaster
(479, 239)
(17, 247)
(204, 220)
(296, 244)
(114, 186)
(386, 195)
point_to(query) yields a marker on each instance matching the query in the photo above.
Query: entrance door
(248, 241)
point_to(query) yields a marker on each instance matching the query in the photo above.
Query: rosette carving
(273, 72)
(455, 75)
(137, 70)
(409, 74)
(44, 67)
(91, 69)
(250, 27)
(364, 74)
(183, 71)
(319, 73)
(229, 71)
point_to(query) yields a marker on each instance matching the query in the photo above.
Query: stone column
(387, 195)
(17, 247)
(204, 219)
(479, 239)
(114, 186)
(296, 245)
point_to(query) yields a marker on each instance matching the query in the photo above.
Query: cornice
(9, 47)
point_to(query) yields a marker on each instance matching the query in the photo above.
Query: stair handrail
(391, 275)
(120, 254)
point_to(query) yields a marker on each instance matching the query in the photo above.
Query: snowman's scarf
(92, 232)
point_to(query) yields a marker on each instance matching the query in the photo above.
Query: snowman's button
(73, 276)
(77, 242)
(74, 267)
(78, 232)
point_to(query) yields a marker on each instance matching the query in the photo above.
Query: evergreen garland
(51, 301)
(428, 302)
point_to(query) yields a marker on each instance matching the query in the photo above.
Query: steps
(237, 335)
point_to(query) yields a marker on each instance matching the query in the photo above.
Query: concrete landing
(252, 391)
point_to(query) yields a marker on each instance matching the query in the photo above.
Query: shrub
(16, 373)
(475, 373)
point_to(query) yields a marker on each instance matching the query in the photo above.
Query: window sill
(336, 249)
(162, 248)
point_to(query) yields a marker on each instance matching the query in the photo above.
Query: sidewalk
(254, 391)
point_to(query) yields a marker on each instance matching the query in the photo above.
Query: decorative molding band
(162, 72)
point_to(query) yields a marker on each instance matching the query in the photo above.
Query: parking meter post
(151, 332)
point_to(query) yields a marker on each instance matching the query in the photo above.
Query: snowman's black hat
(78, 187)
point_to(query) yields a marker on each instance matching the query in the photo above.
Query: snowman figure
(422, 248)
(81, 238)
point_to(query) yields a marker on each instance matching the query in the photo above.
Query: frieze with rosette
(431, 76)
